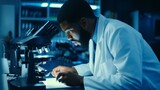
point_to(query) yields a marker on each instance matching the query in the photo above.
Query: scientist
(119, 57)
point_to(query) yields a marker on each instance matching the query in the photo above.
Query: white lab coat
(123, 60)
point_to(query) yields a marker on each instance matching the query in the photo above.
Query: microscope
(4, 68)
(31, 50)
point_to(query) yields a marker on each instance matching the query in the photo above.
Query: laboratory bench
(48, 84)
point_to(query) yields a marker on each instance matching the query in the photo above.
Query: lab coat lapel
(94, 60)
(91, 55)
(99, 46)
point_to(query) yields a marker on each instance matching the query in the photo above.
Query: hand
(59, 69)
(70, 78)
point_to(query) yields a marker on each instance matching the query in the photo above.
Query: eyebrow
(67, 30)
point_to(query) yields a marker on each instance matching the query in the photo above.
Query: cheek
(76, 36)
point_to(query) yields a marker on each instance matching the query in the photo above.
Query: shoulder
(114, 25)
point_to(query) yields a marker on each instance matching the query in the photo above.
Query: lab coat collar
(95, 32)
(101, 27)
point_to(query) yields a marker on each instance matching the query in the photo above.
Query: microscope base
(21, 84)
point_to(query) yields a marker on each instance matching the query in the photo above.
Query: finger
(61, 80)
(53, 74)
(55, 71)
(60, 76)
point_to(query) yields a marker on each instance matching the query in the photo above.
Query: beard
(84, 37)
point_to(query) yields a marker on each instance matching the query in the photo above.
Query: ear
(83, 22)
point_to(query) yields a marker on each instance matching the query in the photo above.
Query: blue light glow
(53, 5)
(44, 5)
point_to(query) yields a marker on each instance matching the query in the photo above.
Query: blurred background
(21, 18)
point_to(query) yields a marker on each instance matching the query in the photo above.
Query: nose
(69, 37)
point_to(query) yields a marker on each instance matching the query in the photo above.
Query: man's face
(76, 33)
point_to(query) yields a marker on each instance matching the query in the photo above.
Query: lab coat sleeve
(125, 49)
(83, 69)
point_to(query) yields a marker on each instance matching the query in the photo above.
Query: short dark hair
(73, 10)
